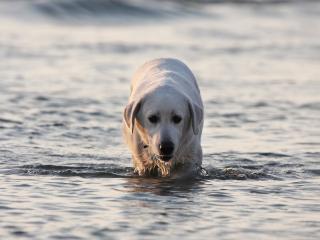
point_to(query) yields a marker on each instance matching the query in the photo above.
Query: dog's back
(165, 72)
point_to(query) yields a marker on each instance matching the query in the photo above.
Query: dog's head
(164, 119)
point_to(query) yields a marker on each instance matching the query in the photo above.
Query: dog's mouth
(165, 158)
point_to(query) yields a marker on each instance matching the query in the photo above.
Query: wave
(84, 9)
(231, 172)
(60, 8)
(94, 171)
(82, 170)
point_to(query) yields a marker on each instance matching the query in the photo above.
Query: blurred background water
(64, 80)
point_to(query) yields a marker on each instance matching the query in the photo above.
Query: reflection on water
(162, 187)
(65, 70)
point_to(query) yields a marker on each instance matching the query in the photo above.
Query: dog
(163, 120)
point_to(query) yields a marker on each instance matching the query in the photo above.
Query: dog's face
(165, 119)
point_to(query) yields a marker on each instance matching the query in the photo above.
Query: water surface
(64, 81)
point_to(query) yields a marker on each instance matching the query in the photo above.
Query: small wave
(114, 171)
(254, 165)
(255, 2)
(113, 47)
(272, 154)
(259, 104)
(233, 173)
(124, 12)
(315, 172)
(6, 120)
(311, 106)
(42, 98)
(86, 171)
(220, 166)
(103, 8)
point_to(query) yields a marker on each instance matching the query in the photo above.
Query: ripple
(232, 173)
(115, 171)
(6, 120)
(273, 154)
(80, 7)
(86, 171)
(42, 98)
(311, 106)
(315, 172)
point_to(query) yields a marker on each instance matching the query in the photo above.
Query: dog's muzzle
(166, 149)
(165, 158)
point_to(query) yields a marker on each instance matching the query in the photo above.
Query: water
(64, 81)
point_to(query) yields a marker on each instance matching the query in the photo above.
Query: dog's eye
(176, 119)
(153, 119)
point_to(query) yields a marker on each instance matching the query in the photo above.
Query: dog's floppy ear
(130, 113)
(196, 114)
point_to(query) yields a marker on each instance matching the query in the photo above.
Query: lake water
(65, 70)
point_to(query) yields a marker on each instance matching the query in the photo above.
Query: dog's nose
(166, 148)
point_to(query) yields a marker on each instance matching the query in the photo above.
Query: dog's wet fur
(163, 121)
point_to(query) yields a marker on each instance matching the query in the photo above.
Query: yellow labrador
(163, 120)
